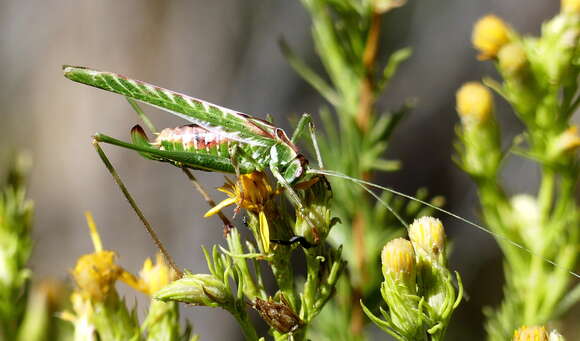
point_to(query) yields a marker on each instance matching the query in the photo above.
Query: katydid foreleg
(292, 195)
(306, 120)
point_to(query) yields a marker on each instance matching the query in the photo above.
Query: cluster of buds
(535, 73)
(536, 333)
(417, 288)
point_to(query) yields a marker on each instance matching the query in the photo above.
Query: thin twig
(228, 226)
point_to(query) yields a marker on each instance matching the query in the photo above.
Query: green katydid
(233, 142)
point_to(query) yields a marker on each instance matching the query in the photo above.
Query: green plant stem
(248, 329)
(251, 289)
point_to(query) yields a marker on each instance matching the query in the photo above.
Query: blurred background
(226, 52)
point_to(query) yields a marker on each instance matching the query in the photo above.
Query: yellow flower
(533, 333)
(474, 103)
(252, 192)
(155, 277)
(571, 6)
(96, 273)
(427, 235)
(490, 33)
(398, 260)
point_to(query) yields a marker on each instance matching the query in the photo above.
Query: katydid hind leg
(368, 185)
(136, 208)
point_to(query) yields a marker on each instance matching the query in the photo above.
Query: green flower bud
(512, 59)
(434, 280)
(490, 33)
(571, 6)
(428, 238)
(398, 259)
(533, 333)
(480, 149)
(198, 289)
(555, 336)
(383, 6)
(566, 143)
(162, 322)
(315, 220)
(474, 103)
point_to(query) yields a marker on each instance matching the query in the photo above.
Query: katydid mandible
(231, 141)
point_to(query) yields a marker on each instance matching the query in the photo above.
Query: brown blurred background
(226, 52)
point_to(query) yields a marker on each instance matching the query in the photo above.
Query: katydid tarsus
(233, 142)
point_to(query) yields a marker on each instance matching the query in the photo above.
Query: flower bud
(533, 333)
(571, 6)
(398, 259)
(474, 103)
(428, 237)
(555, 336)
(383, 6)
(95, 275)
(155, 277)
(490, 33)
(512, 59)
(566, 142)
(198, 289)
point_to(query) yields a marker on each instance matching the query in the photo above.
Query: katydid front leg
(292, 195)
(306, 120)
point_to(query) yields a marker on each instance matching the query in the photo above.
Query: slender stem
(248, 329)
(133, 204)
(228, 226)
(366, 103)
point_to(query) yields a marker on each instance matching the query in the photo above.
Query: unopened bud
(198, 289)
(490, 34)
(533, 333)
(428, 236)
(555, 336)
(571, 6)
(383, 6)
(566, 142)
(512, 59)
(474, 103)
(398, 259)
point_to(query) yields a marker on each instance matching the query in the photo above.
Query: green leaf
(386, 165)
(308, 74)
(395, 60)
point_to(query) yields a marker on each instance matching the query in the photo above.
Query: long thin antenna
(451, 214)
(133, 204)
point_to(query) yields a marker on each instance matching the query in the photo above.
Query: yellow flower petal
(220, 206)
(264, 231)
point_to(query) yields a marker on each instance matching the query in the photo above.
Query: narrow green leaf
(395, 60)
(308, 74)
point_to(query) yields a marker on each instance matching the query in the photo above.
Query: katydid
(225, 140)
